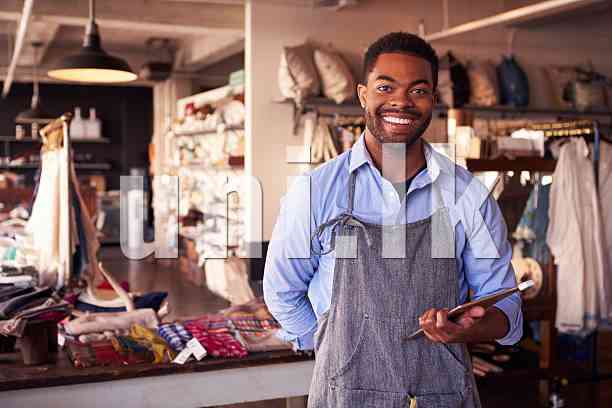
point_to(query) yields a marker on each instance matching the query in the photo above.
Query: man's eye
(420, 91)
(383, 88)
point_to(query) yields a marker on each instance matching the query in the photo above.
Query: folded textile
(92, 337)
(100, 353)
(263, 341)
(80, 354)
(151, 300)
(175, 335)
(101, 322)
(149, 338)
(10, 291)
(254, 325)
(12, 269)
(131, 351)
(12, 306)
(218, 342)
(20, 279)
(50, 310)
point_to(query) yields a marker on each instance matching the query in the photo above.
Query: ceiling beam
(207, 1)
(39, 32)
(19, 40)
(202, 52)
(517, 16)
(156, 16)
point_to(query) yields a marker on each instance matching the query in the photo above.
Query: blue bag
(513, 83)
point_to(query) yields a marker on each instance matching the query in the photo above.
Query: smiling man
(352, 298)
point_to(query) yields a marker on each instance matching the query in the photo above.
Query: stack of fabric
(99, 353)
(115, 338)
(255, 326)
(137, 337)
(214, 334)
(19, 305)
(13, 273)
(176, 335)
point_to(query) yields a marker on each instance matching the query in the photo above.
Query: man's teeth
(398, 121)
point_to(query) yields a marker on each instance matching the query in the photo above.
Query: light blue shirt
(298, 283)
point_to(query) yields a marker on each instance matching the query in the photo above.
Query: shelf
(208, 132)
(353, 108)
(518, 164)
(79, 166)
(233, 162)
(13, 139)
(93, 166)
(527, 110)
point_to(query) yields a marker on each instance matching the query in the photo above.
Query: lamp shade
(92, 64)
(33, 115)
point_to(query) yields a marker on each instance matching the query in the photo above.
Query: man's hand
(438, 328)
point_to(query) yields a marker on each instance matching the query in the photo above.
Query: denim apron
(362, 356)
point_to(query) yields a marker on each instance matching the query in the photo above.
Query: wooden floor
(187, 299)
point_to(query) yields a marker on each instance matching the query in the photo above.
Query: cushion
(336, 78)
(297, 75)
(483, 84)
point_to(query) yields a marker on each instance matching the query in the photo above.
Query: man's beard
(375, 125)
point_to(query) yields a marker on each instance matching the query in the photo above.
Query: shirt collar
(361, 156)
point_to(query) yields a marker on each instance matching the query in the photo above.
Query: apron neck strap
(351, 191)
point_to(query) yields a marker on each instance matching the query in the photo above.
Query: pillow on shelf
(297, 75)
(589, 96)
(336, 78)
(561, 77)
(453, 82)
(483, 84)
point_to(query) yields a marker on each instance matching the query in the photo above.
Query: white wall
(270, 26)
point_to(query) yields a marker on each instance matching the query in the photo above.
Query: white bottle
(77, 125)
(93, 126)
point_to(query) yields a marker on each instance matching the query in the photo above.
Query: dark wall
(126, 113)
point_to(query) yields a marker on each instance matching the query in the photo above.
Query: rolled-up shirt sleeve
(488, 274)
(290, 267)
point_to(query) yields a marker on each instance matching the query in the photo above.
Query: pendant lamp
(92, 64)
(35, 114)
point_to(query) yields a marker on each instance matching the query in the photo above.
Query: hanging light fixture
(35, 114)
(92, 64)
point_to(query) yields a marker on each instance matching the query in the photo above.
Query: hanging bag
(513, 83)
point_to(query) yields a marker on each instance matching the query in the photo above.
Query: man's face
(398, 98)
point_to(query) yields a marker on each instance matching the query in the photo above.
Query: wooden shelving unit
(77, 166)
(518, 164)
(209, 131)
(12, 139)
(327, 106)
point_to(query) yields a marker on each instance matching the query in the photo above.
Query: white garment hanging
(605, 198)
(575, 237)
(48, 215)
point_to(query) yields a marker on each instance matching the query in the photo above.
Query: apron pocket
(346, 355)
(458, 352)
(450, 400)
(344, 397)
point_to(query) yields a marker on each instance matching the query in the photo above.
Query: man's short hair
(403, 43)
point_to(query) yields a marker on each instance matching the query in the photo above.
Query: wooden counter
(210, 382)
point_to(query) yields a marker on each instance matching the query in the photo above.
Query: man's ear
(362, 94)
(436, 97)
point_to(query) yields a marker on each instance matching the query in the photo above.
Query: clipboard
(485, 302)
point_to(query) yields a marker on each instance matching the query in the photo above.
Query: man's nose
(402, 100)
